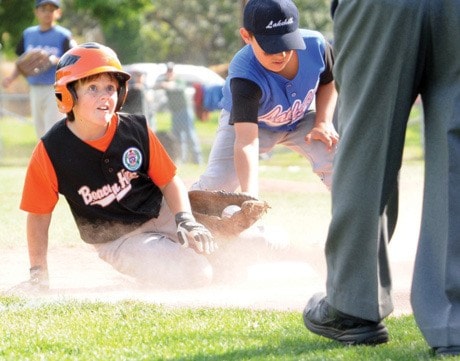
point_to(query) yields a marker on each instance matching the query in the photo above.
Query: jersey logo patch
(132, 159)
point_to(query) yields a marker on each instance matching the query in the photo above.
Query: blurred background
(148, 34)
(200, 32)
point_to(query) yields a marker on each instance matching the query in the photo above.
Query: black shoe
(446, 351)
(324, 320)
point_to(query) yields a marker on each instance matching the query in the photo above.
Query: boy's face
(47, 14)
(97, 98)
(272, 62)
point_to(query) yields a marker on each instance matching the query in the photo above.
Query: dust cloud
(252, 272)
(282, 278)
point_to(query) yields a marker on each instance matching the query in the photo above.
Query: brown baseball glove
(33, 62)
(226, 214)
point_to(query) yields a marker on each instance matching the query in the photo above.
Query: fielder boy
(279, 90)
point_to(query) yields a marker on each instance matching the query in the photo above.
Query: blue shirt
(283, 102)
(56, 41)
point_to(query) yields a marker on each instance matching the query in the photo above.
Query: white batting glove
(193, 234)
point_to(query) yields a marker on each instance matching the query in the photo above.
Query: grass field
(139, 331)
(34, 328)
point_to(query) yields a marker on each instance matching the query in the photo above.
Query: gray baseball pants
(220, 172)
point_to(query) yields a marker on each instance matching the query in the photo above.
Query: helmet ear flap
(122, 94)
(65, 99)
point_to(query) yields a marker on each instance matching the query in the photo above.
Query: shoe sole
(370, 335)
(447, 351)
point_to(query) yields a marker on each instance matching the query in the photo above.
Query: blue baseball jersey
(55, 41)
(283, 102)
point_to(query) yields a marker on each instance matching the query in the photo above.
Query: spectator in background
(183, 117)
(55, 40)
(136, 100)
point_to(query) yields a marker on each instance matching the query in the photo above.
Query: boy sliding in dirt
(118, 180)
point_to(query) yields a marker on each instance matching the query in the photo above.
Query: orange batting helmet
(82, 61)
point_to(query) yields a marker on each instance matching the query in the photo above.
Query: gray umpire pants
(388, 52)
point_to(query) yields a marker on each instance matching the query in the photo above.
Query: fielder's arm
(246, 156)
(323, 130)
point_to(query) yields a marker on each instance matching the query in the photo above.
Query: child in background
(54, 40)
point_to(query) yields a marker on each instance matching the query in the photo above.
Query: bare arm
(176, 196)
(246, 151)
(37, 239)
(189, 232)
(323, 130)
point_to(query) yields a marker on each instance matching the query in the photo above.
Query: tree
(121, 22)
(202, 32)
(194, 31)
(315, 14)
(15, 16)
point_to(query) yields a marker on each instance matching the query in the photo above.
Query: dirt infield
(282, 284)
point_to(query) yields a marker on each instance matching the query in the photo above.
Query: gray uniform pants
(220, 173)
(45, 112)
(388, 52)
(151, 254)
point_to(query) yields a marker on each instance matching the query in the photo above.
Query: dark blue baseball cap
(275, 25)
(56, 3)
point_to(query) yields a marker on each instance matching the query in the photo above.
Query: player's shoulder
(312, 35)
(62, 30)
(309, 33)
(129, 120)
(243, 62)
(243, 54)
(31, 29)
(130, 117)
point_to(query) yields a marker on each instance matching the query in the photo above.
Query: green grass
(38, 329)
(35, 330)
(17, 140)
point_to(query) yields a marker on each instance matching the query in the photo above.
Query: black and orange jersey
(112, 180)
